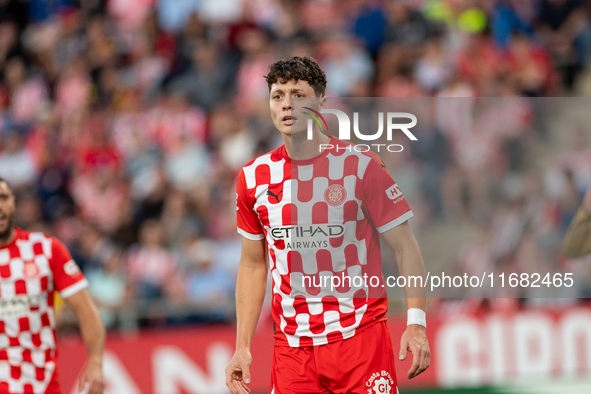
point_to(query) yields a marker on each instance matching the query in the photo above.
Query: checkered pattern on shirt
(32, 267)
(372, 204)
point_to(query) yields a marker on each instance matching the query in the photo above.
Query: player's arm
(93, 335)
(250, 293)
(577, 241)
(403, 243)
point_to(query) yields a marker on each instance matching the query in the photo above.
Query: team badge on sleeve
(71, 268)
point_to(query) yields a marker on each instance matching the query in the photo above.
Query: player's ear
(322, 102)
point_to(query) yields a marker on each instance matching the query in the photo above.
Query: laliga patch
(335, 195)
(71, 268)
(30, 270)
(380, 383)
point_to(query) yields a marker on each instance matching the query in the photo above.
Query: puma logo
(270, 193)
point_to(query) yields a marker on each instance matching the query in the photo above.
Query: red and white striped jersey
(321, 217)
(32, 267)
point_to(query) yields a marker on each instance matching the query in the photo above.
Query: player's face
(6, 209)
(287, 101)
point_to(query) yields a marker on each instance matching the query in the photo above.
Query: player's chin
(293, 131)
(4, 229)
(286, 130)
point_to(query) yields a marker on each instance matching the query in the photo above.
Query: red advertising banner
(466, 351)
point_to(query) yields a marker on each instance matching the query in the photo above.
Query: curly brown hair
(298, 68)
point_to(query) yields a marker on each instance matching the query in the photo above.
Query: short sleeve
(247, 220)
(67, 277)
(383, 200)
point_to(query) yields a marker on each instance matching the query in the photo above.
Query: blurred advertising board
(479, 349)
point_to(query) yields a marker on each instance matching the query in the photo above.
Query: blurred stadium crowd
(123, 124)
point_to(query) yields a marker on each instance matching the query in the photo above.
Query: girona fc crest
(30, 270)
(335, 195)
(382, 386)
(381, 383)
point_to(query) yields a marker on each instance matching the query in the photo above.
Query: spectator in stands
(510, 17)
(207, 285)
(109, 288)
(433, 69)
(17, 165)
(564, 27)
(209, 79)
(345, 64)
(530, 67)
(149, 264)
(28, 94)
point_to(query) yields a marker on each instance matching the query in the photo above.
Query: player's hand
(587, 200)
(414, 340)
(238, 372)
(92, 378)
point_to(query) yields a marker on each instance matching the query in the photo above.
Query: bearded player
(33, 266)
(310, 211)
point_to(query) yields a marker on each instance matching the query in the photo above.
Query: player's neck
(8, 238)
(299, 147)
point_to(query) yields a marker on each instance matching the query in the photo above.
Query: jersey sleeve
(247, 220)
(383, 200)
(67, 277)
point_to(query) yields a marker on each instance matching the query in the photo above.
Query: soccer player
(33, 266)
(305, 211)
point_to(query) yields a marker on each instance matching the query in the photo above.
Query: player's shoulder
(263, 168)
(34, 237)
(275, 156)
(22, 234)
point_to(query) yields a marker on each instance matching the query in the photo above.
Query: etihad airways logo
(313, 236)
(308, 231)
(18, 306)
